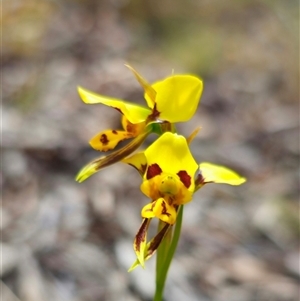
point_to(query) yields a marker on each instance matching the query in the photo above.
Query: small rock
(103, 201)
(292, 262)
(6, 293)
(10, 258)
(246, 268)
(14, 163)
(31, 285)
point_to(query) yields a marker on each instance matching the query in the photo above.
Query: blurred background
(65, 241)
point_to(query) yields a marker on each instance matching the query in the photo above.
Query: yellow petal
(112, 158)
(108, 140)
(134, 113)
(147, 211)
(177, 97)
(212, 173)
(138, 161)
(172, 154)
(149, 91)
(160, 209)
(150, 187)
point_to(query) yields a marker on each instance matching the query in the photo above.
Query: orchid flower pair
(170, 174)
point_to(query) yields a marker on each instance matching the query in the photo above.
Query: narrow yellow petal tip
(87, 96)
(140, 256)
(134, 113)
(191, 137)
(135, 265)
(149, 91)
(86, 172)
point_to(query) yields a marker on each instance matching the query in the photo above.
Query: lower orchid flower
(174, 99)
(170, 178)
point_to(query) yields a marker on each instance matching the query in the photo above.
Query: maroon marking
(152, 205)
(155, 242)
(103, 139)
(164, 210)
(129, 127)
(154, 115)
(143, 168)
(114, 132)
(155, 112)
(153, 170)
(184, 178)
(118, 110)
(171, 200)
(140, 169)
(121, 153)
(199, 179)
(140, 236)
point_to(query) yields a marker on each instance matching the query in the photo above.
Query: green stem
(163, 247)
(168, 246)
(163, 263)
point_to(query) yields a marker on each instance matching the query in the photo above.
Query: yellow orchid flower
(174, 99)
(170, 178)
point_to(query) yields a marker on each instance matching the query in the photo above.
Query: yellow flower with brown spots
(170, 178)
(174, 99)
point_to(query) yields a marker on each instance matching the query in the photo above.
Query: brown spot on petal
(103, 139)
(121, 153)
(155, 242)
(129, 127)
(118, 110)
(164, 210)
(154, 115)
(184, 178)
(143, 168)
(114, 132)
(141, 235)
(199, 179)
(153, 170)
(152, 206)
(155, 112)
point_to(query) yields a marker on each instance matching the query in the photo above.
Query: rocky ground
(64, 241)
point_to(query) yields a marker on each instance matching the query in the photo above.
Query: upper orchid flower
(174, 99)
(170, 178)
